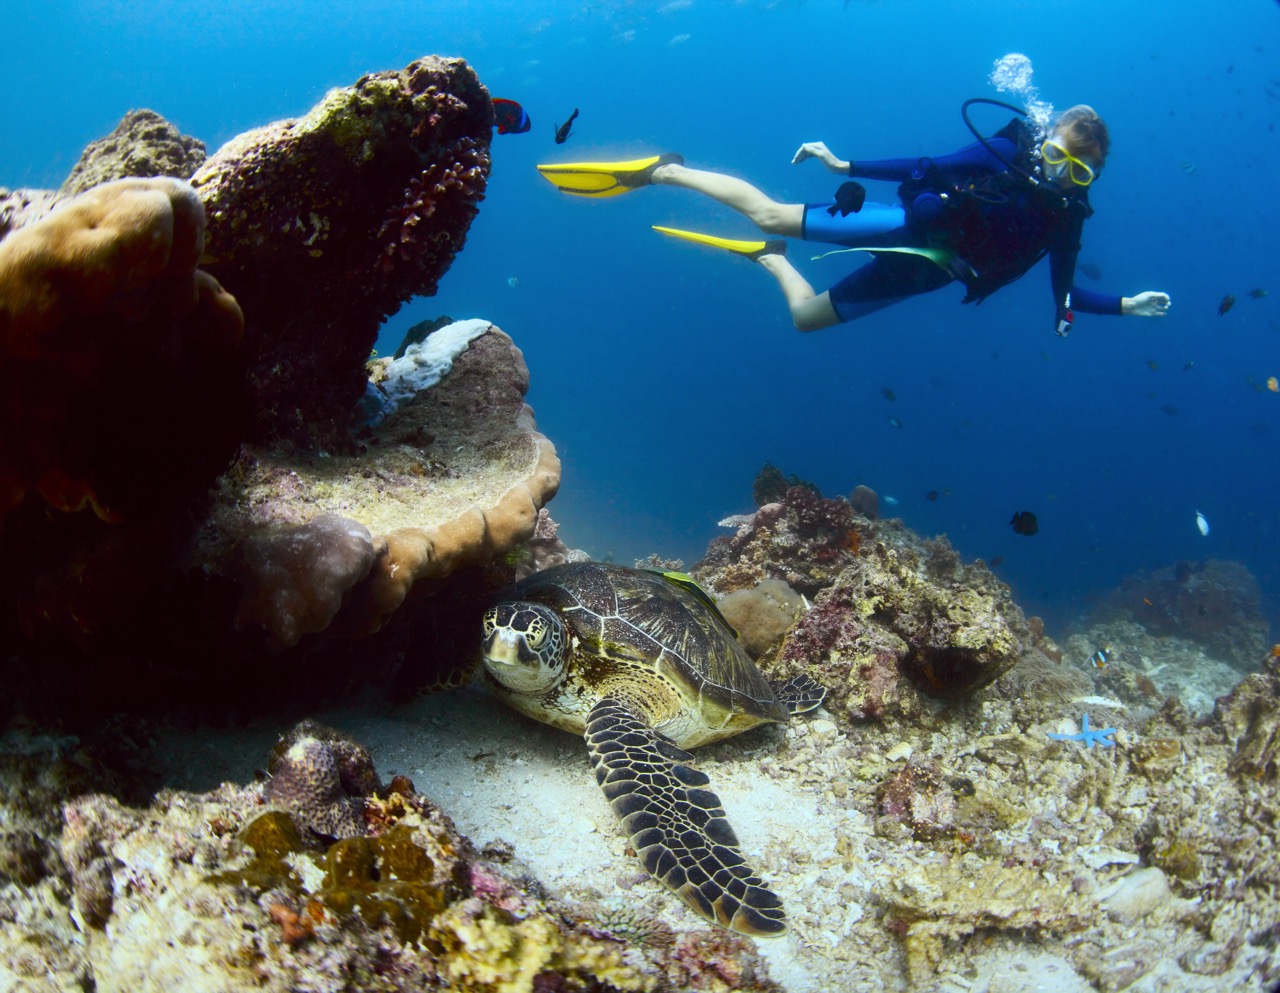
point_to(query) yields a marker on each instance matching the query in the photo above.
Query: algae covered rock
(325, 224)
(907, 617)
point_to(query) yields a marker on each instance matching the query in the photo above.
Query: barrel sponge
(114, 352)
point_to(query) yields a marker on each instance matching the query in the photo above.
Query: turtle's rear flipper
(676, 825)
(800, 694)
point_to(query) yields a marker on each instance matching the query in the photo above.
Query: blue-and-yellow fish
(1100, 658)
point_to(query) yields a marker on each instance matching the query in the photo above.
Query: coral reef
(322, 226)
(905, 608)
(116, 354)
(1143, 669)
(1214, 603)
(130, 396)
(804, 540)
(209, 892)
(143, 144)
(771, 485)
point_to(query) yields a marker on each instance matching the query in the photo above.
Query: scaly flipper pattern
(800, 694)
(676, 825)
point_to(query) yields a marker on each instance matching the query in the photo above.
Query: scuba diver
(982, 216)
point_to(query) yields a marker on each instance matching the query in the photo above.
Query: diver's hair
(1084, 131)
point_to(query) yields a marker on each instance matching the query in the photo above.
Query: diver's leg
(889, 278)
(768, 215)
(809, 311)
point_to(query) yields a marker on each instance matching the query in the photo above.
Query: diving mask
(1058, 161)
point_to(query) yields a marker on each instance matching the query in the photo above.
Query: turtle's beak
(502, 648)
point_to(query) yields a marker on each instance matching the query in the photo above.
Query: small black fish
(1090, 270)
(1228, 302)
(888, 394)
(996, 561)
(931, 496)
(1024, 522)
(1169, 409)
(1153, 365)
(1257, 293)
(562, 132)
(849, 199)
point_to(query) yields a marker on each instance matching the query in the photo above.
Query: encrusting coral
(320, 777)
(214, 891)
(323, 225)
(143, 144)
(893, 616)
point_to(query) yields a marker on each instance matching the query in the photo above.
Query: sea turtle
(643, 665)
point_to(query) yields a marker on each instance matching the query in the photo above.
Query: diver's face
(1063, 166)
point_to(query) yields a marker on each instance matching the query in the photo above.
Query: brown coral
(905, 608)
(116, 353)
(324, 225)
(321, 777)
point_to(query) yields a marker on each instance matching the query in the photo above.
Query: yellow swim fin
(748, 249)
(605, 179)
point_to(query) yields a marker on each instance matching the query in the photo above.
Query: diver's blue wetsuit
(995, 240)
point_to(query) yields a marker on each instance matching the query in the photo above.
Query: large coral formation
(887, 605)
(455, 476)
(116, 354)
(129, 393)
(324, 225)
(899, 608)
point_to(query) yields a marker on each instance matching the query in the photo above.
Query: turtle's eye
(535, 637)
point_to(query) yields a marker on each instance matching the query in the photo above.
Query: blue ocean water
(667, 374)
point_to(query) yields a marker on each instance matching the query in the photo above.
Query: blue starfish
(1088, 736)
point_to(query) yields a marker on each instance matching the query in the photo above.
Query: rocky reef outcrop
(239, 502)
(262, 887)
(892, 617)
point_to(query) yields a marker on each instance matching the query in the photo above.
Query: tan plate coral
(455, 476)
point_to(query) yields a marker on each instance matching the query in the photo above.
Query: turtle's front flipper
(800, 694)
(676, 825)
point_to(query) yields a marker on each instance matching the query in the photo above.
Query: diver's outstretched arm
(1149, 303)
(768, 215)
(819, 150)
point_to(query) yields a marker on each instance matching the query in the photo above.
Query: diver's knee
(814, 314)
(779, 218)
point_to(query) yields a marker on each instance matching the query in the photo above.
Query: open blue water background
(667, 374)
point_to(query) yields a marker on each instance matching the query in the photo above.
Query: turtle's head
(525, 645)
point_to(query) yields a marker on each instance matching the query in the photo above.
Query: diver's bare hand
(1150, 303)
(819, 150)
